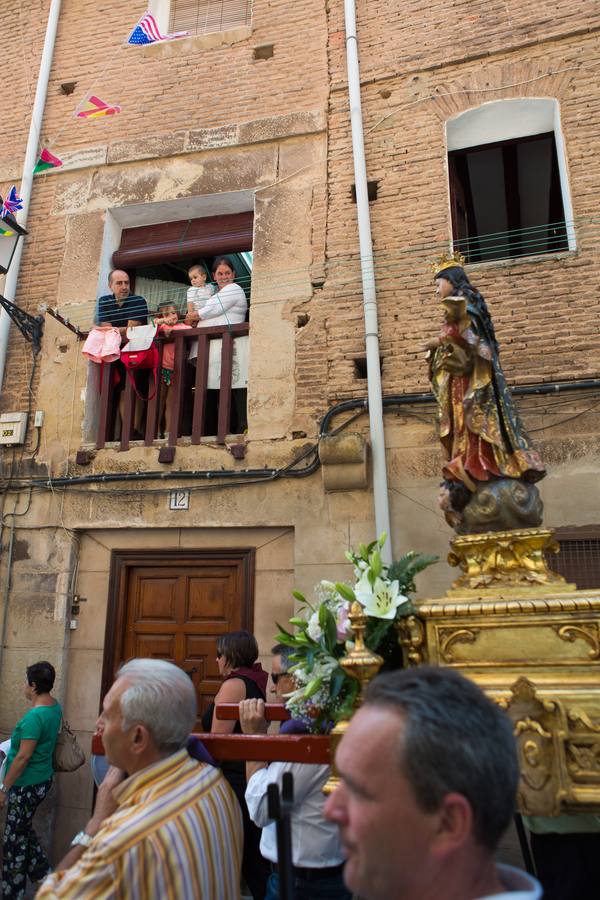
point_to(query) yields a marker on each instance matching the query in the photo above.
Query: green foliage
(408, 567)
(325, 693)
(346, 591)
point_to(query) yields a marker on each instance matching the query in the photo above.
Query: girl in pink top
(167, 321)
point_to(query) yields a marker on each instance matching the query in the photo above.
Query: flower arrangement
(325, 693)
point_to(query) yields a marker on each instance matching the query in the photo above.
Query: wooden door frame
(121, 561)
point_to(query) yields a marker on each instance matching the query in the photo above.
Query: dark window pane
(506, 199)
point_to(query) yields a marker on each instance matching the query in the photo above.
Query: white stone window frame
(509, 119)
(161, 10)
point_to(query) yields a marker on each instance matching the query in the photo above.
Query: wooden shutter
(151, 245)
(203, 16)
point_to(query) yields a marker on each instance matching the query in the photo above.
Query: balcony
(191, 398)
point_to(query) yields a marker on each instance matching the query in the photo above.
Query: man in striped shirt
(172, 828)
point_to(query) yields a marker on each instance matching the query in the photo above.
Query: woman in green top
(27, 780)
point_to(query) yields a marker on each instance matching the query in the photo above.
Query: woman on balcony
(227, 307)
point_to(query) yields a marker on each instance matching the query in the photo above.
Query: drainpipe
(380, 490)
(31, 157)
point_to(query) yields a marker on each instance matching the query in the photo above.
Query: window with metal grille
(205, 16)
(508, 180)
(506, 199)
(579, 557)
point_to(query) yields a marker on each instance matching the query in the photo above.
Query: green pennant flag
(47, 161)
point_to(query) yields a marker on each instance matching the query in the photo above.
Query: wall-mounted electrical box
(13, 428)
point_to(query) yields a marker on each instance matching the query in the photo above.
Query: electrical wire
(344, 271)
(215, 479)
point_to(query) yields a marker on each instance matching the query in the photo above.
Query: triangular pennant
(93, 108)
(12, 203)
(47, 161)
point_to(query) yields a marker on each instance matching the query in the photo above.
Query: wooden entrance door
(173, 606)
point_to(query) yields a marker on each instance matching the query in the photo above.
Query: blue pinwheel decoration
(12, 203)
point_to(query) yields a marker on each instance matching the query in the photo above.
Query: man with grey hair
(170, 828)
(429, 774)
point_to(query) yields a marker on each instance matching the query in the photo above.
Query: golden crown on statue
(445, 261)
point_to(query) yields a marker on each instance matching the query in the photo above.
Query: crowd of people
(427, 770)
(208, 305)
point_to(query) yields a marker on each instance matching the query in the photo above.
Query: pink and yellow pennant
(93, 108)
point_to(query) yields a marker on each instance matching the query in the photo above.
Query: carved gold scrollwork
(576, 716)
(505, 558)
(411, 635)
(536, 726)
(450, 636)
(589, 634)
(583, 761)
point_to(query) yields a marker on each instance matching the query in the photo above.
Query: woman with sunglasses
(243, 679)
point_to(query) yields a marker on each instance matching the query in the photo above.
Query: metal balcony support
(31, 327)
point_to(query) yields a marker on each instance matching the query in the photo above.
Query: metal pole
(380, 489)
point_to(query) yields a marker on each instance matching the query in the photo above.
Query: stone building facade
(255, 118)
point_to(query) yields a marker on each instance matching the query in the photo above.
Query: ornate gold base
(536, 653)
(505, 561)
(359, 663)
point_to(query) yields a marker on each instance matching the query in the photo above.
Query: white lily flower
(360, 567)
(382, 599)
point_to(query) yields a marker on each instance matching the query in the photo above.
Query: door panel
(155, 599)
(173, 606)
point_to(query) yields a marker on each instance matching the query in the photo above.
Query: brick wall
(545, 309)
(165, 91)
(421, 62)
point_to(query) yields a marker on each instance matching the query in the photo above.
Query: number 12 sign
(179, 500)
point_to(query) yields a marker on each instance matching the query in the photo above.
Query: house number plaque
(179, 500)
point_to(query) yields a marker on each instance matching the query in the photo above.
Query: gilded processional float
(526, 637)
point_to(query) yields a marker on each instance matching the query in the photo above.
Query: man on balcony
(123, 310)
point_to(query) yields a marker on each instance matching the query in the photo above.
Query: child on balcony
(198, 296)
(200, 291)
(167, 322)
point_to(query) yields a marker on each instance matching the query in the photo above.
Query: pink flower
(343, 627)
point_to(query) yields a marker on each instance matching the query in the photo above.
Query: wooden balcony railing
(183, 374)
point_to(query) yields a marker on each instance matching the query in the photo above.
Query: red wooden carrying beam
(274, 712)
(301, 748)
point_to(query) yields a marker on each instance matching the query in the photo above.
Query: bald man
(122, 310)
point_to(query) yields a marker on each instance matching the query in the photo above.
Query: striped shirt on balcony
(176, 834)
